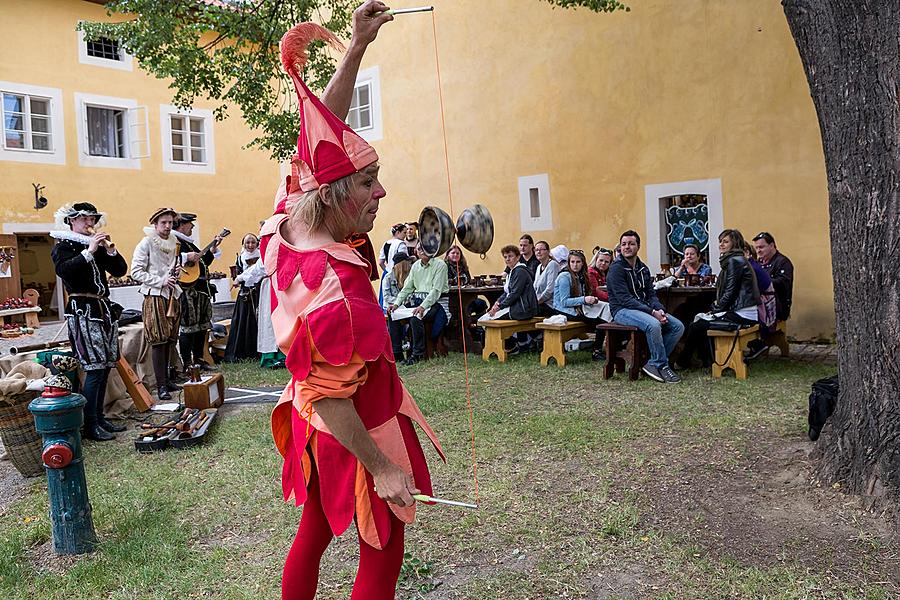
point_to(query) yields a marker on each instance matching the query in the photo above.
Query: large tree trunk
(850, 50)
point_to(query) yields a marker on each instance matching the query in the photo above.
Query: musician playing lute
(196, 302)
(83, 259)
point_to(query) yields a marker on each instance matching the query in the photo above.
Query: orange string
(462, 325)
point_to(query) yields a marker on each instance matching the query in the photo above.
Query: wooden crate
(207, 393)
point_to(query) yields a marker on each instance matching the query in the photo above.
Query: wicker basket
(20, 438)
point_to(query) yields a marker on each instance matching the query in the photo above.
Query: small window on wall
(686, 222)
(103, 52)
(364, 116)
(188, 144)
(360, 115)
(26, 123)
(534, 203)
(106, 132)
(105, 48)
(188, 140)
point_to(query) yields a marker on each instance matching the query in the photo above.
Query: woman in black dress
(242, 336)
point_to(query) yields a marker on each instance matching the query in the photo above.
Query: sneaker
(755, 349)
(653, 373)
(669, 375)
(598, 355)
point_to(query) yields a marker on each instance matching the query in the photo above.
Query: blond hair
(312, 212)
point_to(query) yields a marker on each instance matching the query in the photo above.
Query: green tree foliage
(227, 52)
(594, 5)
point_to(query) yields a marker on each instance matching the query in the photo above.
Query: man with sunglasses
(780, 269)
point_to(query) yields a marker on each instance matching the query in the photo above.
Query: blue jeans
(660, 338)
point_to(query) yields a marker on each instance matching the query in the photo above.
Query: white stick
(406, 11)
(424, 498)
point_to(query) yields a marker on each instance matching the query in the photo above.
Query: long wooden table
(468, 293)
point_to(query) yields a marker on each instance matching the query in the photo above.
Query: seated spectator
(526, 249)
(427, 287)
(597, 272)
(780, 270)
(518, 291)
(386, 256)
(767, 307)
(560, 254)
(392, 246)
(457, 266)
(692, 265)
(633, 302)
(412, 237)
(571, 294)
(544, 278)
(737, 297)
(390, 289)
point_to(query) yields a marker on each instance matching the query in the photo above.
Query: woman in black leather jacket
(737, 297)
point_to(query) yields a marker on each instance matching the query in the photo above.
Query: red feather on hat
(296, 40)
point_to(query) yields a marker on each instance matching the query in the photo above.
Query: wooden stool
(434, 347)
(555, 338)
(779, 338)
(635, 353)
(727, 345)
(209, 392)
(496, 332)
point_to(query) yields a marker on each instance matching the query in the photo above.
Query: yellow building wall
(675, 90)
(39, 46)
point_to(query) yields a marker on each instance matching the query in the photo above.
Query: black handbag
(723, 325)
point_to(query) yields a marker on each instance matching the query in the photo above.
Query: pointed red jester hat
(327, 148)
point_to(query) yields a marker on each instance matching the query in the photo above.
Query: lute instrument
(191, 272)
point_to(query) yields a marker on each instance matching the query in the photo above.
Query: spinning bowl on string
(474, 230)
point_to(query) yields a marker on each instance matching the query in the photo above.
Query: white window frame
(56, 156)
(372, 78)
(126, 64)
(166, 111)
(543, 222)
(655, 242)
(129, 105)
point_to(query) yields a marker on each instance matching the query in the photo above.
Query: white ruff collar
(245, 256)
(183, 237)
(62, 234)
(167, 245)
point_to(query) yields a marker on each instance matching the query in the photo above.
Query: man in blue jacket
(633, 302)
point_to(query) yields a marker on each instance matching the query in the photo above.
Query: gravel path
(12, 484)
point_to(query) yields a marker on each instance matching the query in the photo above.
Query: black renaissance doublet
(93, 331)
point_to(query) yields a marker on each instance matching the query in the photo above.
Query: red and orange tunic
(328, 323)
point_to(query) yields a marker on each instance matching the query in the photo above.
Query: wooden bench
(221, 343)
(496, 332)
(555, 338)
(635, 353)
(778, 338)
(31, 316)
(730, 352)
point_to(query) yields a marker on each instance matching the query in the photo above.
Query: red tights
(376, 578)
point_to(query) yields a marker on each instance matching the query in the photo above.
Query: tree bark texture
(850, 51)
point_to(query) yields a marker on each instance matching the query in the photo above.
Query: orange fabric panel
(332, 381)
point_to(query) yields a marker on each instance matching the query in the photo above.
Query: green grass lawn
(588, 489)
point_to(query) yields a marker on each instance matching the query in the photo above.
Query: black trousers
(94, 392)
(191, 344)
(417, 325)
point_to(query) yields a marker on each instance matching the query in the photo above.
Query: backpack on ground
(821, 404)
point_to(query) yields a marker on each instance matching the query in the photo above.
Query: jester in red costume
(344, 424)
